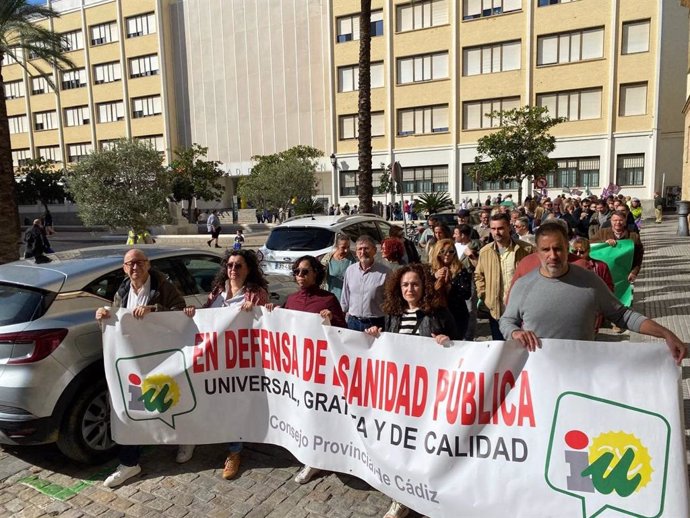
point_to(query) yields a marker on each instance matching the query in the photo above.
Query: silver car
(52, 386)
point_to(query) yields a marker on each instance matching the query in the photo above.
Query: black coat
(439, 322)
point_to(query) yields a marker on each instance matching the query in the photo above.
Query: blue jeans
(361, 324)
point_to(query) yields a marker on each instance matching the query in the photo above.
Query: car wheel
(85, 430)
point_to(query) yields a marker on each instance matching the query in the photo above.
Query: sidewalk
(265, 487)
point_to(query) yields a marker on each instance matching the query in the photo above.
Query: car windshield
(19, 304)
(299, 239)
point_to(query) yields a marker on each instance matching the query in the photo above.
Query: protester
(453, 282)
(214, 228)
(239, 240)
(536, 309)
(362, 296)
(392, 251)
(413, 307)
(522, 232)
(619, 231)
(411, 254)
(336, 262)
(482, 228)
(495, 269)
(636, 211)
(142, 291)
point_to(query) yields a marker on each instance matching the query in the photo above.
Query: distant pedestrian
(214, 228)
(658, 207)
(36, 243)
(239, 240)
(48, 222)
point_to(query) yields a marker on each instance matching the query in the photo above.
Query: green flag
(619, 260)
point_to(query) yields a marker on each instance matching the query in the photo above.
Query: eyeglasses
(138, 264)
(447, 251)
(301, 272)
(234, 266)
(578, 252)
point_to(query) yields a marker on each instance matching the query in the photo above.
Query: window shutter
(405, 67)
(633, 100)
(510, 103)
(547, 48)
(574, 108)
(564, 48)
(511, 56)
(473, 8)
(345, 79)
(487, 107)
(472, 62)
(471, 116)
(593, 44)
(575, 40)
(376, 70)
(635, 37)
(548, 101)
(440, 117)
(439, 12)
(590, 104)
(486, 60)
(425, 18)
(157, 104)
(406, 122)
(563, 99)
(419, 69)
(405, 18)
(496, 52)
(419, 121)
(512, 5)
(377, 124)
(439, 64)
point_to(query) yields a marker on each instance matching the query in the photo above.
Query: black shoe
(208, 243)
(217, 246)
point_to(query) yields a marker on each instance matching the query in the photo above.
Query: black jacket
(440, 322)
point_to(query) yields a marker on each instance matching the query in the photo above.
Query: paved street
(38, 481)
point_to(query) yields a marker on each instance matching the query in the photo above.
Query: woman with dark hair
(309, 274)
(392, 251)
(413, 307)
(239, 283)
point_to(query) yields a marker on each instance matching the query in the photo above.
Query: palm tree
(365, 189)
(18, 31)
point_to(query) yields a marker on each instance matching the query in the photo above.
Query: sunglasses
(301, 272)
(138, 264)
(447, 251)
(578, 252)
(234, 266)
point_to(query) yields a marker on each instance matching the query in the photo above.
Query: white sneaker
(397, 510)
(121, 474)
(306, 474)
(184, 453)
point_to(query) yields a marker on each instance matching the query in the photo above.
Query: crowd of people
(437, 287)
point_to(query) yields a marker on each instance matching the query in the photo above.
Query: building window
(40, 85)
(630, 170)
(14, 89)
(103, 33)
(427, 67)
(477, 114)
(73, 79)
(635, 37)
(73, 40)
(77, 116)
(469, 184)
(141, 25)
(45, 120)
(18, 124)
(480, 8)
(633, 100)
(544, 3)
(77, 152)
(348, 77)
(143, 66)
(575, 105)
(146, 106)
(107, 72)
(33, 54)
(107, 145)
(14, 55)
(349, 181)
(425, 179)
(111, 112)
(488, 59)
(154, 141)
(570, 47)
(20, 157)
(50, 153)
(347, 27)
(575, 172)
(421, 15)
(348, 126)
(423, 120)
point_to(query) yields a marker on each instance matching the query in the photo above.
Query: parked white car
(312, 234)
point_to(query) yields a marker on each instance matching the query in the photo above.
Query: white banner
(576, 429)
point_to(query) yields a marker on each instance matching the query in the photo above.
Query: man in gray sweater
(560, 300)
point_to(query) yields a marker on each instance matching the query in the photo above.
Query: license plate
(283, 266)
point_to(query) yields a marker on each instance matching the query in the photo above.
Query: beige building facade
(254, 77)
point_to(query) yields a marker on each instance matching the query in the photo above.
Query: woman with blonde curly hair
(453, 282)
(413, 307)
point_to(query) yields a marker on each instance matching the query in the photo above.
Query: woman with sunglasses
(309, 274)
(413, 307)
(239, 283)
(453, 281)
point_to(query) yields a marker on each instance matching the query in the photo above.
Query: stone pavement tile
(111, 513)
(95, 509)
(98, 493)
(72, 513)
(159, 504)
(119, 503)
(141, 497)
(176, 511)
(137, 510)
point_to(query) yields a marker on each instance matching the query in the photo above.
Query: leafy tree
(520, 149)
(39, 181)
(19, 31)
(194, 177)
(308, 206)
(125, 186)
(276, 179)
(430, 203)
(365, 189)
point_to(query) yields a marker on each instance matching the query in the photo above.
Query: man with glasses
(142, 292)
(362, 297)
(495, 269)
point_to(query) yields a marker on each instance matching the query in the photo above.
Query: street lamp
(334, 183)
